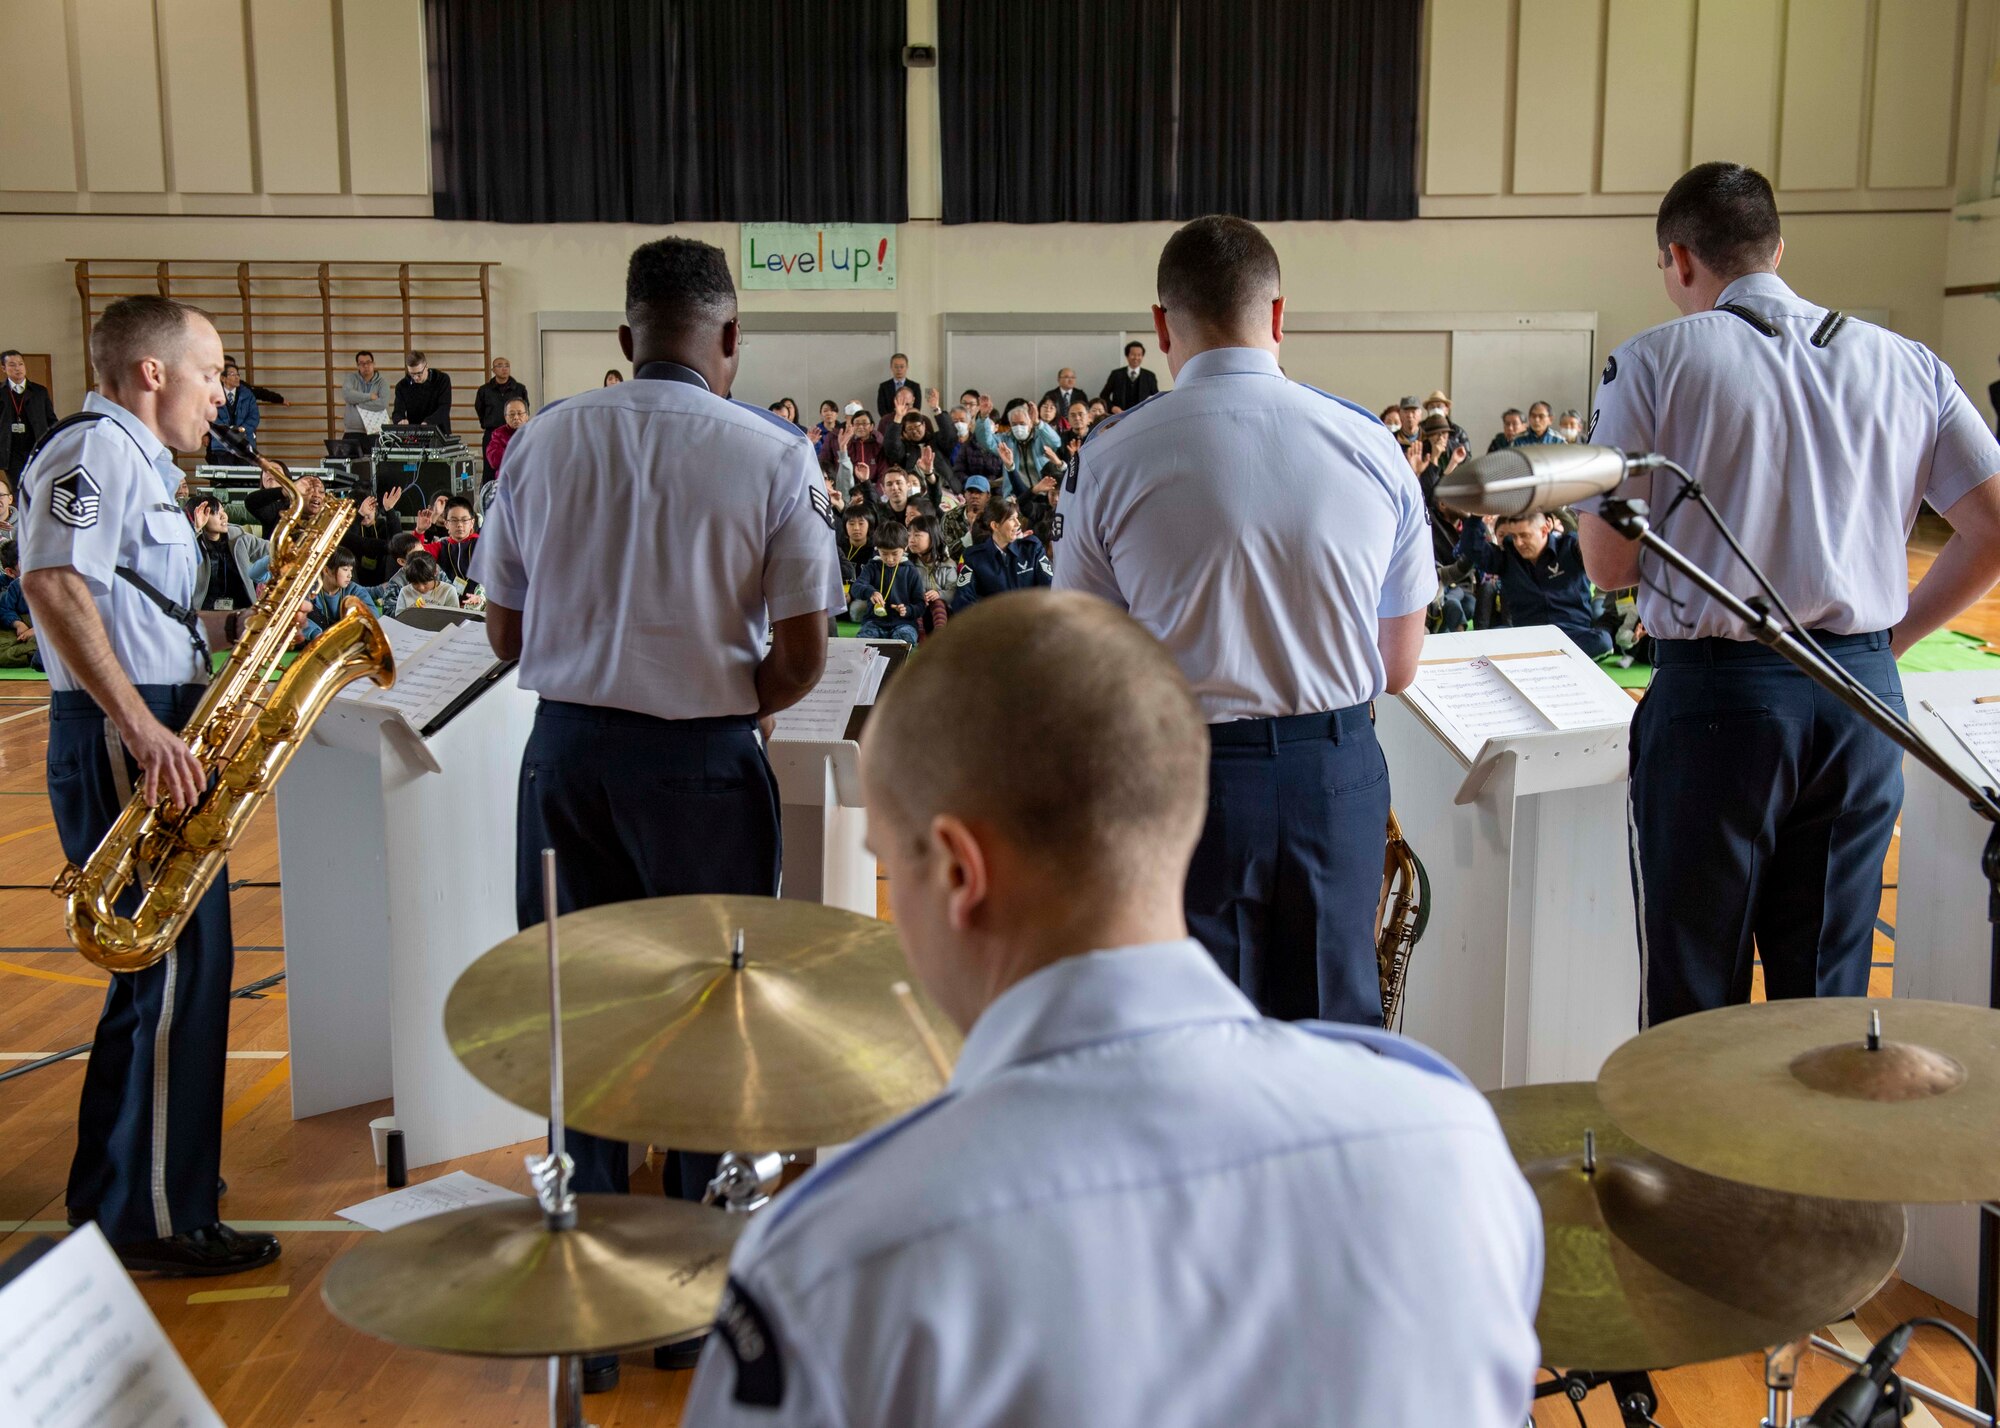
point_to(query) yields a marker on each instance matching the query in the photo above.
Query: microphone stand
(1632, 519)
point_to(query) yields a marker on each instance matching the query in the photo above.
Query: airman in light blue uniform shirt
(1274, 539)
(1762, 807)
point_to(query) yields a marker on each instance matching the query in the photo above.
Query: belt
(78, 701)
(1716, 650)
(1337, 725)
(633, 719)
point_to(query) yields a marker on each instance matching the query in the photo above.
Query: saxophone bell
(1401, 913)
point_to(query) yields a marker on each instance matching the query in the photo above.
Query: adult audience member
(239, 415)
(497, 439)
(362, 390)
(1569, 426)
(27, 411)
(899, 380)
(1185, 1149)
(612, 377)
(489, 403)
(1065, 394)
(423, 397)
(1131, 384)
(1511, 428)
(1540, 432)
(228, 557)
(1002, 556)
(1540, 569)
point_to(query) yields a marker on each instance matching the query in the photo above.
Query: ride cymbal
(1790, 1096)
(1650, 1265)
(667, 1041)
(495, 1280)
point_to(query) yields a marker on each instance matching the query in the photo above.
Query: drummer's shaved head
(1112, 783)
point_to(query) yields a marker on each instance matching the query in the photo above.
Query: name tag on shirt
(20, 428)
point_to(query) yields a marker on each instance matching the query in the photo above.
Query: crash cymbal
(1650, 1265)
(1788, 1095)
(495, 1280)
(665, 1041)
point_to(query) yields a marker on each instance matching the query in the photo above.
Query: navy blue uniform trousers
(1761, 811)
(1285, 880)
(640, 807)
(149, 1128)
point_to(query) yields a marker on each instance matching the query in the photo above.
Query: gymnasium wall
(297, 129)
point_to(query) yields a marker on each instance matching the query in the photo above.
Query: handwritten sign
(819, 256)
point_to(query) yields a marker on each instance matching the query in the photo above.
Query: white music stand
(1529, 968)
(824, 823)
(398, 858)
(1943, 943)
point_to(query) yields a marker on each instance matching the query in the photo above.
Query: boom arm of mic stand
(1630, 519)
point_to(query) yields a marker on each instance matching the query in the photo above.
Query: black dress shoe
(213, 1249)
(600, 1375)
(684, 1355)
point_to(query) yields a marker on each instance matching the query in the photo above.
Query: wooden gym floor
(263, 1346)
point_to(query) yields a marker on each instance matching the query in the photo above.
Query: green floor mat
(1944, 652)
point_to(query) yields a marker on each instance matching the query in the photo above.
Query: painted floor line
(233, 1056)
(267, 1227)
(231, 1296)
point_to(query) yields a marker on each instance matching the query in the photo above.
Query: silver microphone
(1520, 480)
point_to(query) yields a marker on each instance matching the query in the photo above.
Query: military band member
(108, 564)
(1761, 807)
(637, 591)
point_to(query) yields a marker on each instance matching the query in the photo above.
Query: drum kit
(1722, 1189)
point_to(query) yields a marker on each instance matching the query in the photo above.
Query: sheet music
(1475, 702)
(1978, 728)
(1568, 693)
(78, 1347)
(821, 717)
(406, 642)
(450, 662)
(434, 1197)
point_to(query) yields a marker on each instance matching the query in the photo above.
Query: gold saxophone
(1400, 915)
(243, 741)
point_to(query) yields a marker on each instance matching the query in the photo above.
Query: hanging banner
(819, 255)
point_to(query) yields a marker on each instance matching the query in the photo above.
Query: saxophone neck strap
(180, 614)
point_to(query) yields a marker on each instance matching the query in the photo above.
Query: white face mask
(1020, 431)
(964, 429)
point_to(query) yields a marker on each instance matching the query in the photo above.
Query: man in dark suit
(899, 376)
(1131, 384)
(423, 397)
(1064, 394)
(26, 412)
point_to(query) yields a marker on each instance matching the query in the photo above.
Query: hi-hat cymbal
(1650, 1265)
(664, 1040)
(1788, 1095)
(495, 1280)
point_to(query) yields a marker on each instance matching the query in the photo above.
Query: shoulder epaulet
(1105, 423)
(1755, 319)
(1829, 329)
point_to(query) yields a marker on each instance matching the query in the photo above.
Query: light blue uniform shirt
(1140, 1202)
(649, 533)
(1817, 457)
(1259, 528)
(99, 496)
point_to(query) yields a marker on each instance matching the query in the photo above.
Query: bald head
(1117, 784)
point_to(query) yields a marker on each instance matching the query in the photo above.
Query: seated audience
(239, 416)
(386, 594)
(858, 548)
(17, 624)
(461, 538)
(424, 586)
(1139, 1202)
(856, 451)
(887, 595)
(957, 519)
(1540, 432)
(336, 585)
(1025, 447)
(227, 558)
(1569, 426)
(612, 377)
(489, 403)
(1001, 557)
(1511, 429)
(1540, 569)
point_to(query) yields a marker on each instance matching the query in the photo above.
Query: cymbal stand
(1631, 519)
(551, 1173)
(1781, 1378)
(1633, 1392)
(746, 1182)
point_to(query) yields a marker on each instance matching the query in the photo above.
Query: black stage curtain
(1055, 112)
(1130, 110)
(665, 111)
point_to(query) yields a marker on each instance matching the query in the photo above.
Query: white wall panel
(298, 126)
(122, 150)
(37, 140)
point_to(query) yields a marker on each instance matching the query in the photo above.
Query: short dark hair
(413, 358)
(1217, 271)
(1543, 405)
(1135, 343)
(674, 283)
(892, 536)
(1724, 214)
(1013, 402)
(10, 352)
(342, 558)
(10, 551)
(229, 363)
(422, 568)
(462, 503)
(1510, 412)
(899, 356)
(972, 392)
(401, 544)
(364, 352)
(858, 512)
(145, 325)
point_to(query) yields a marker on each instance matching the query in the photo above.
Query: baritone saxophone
(244, 732)
(1401, 912)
